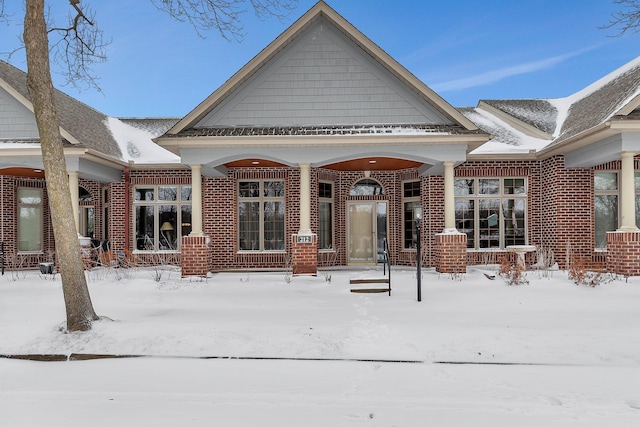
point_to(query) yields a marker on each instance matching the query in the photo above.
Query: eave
(175, 144)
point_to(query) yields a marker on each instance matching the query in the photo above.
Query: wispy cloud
(502, 73)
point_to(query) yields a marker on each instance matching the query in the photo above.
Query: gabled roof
(81, 125)
(321, 11)
(610, 98)
(545, 124)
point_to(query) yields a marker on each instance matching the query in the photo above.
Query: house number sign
(304, 239)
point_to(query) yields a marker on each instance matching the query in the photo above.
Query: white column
(74, 182)
(196, 200)
(449, 199)
(305, 198)
(627, 194)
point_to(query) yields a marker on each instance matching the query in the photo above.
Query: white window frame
(262, 199)
(37, 207)
(161, 241)
(412, 200)
(599, 236)
(331, 202)
(499, 221)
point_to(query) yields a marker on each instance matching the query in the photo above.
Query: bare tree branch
(627, 19)
(223, 15)
(79, 47)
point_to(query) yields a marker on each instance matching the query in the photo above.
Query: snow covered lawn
(242, 349)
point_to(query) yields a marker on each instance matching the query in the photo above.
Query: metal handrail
(386, 263)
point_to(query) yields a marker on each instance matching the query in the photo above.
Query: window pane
(168, 215)
(463, 187)
(514, 186)
(30, 196)
(274, 189)
(249, 226)
(366, 187)
(144, 194)
(274, 226)
(185, 228)
(410, 232)
(489, 186)
(489, 214)
(513, 211)
(249, 189)
(412, 189)
(606, 217)
(168, 193)
(325, 190)
(30, 228)
(325, 225)
(605, 181)
(145, 234)
(465, 222)
(185, 193)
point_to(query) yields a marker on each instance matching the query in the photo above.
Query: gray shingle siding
(322, 79)
(85, 124)
(16, 121)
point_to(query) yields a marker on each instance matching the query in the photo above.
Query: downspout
(127, 208)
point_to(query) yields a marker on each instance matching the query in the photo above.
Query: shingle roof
(597, 106)
(84, 123)
(155, 126)
(539, 113)
(325, 130)
(564, 118)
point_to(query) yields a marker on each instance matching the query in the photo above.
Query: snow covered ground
(252, 349)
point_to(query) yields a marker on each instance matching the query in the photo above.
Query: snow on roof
(597, 102)
(137, 144)
(561, 118)
(506, 139)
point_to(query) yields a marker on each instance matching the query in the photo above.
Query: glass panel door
(367, 228)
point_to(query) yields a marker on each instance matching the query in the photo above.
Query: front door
(367, 229)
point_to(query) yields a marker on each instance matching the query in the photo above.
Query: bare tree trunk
(80, 313)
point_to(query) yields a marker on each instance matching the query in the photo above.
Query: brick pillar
(304, 254)
(195, 256)
(451, 253)
(623, 253)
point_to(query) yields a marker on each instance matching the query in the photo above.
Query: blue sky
(465, 50)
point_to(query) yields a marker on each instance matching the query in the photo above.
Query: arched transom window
(366, 187)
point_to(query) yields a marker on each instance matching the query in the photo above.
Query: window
(105, 212)
(261, 215)
(29, 219)
(410, 199)
(605, 203)
(162, 216)
(491, 211)
(325, 215)
(86, 213)
(366, 187)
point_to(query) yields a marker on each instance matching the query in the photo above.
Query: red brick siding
(304, 256)
(623, 253)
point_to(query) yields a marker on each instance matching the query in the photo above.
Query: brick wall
(195, 256)
(560, 210)
(304, 256)
(623, 253)
(451, 253)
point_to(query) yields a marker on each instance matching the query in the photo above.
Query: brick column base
(304, 254)
(195, 256)
(451, 253)
(623, 253)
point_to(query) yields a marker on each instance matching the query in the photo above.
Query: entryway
(366, 231)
